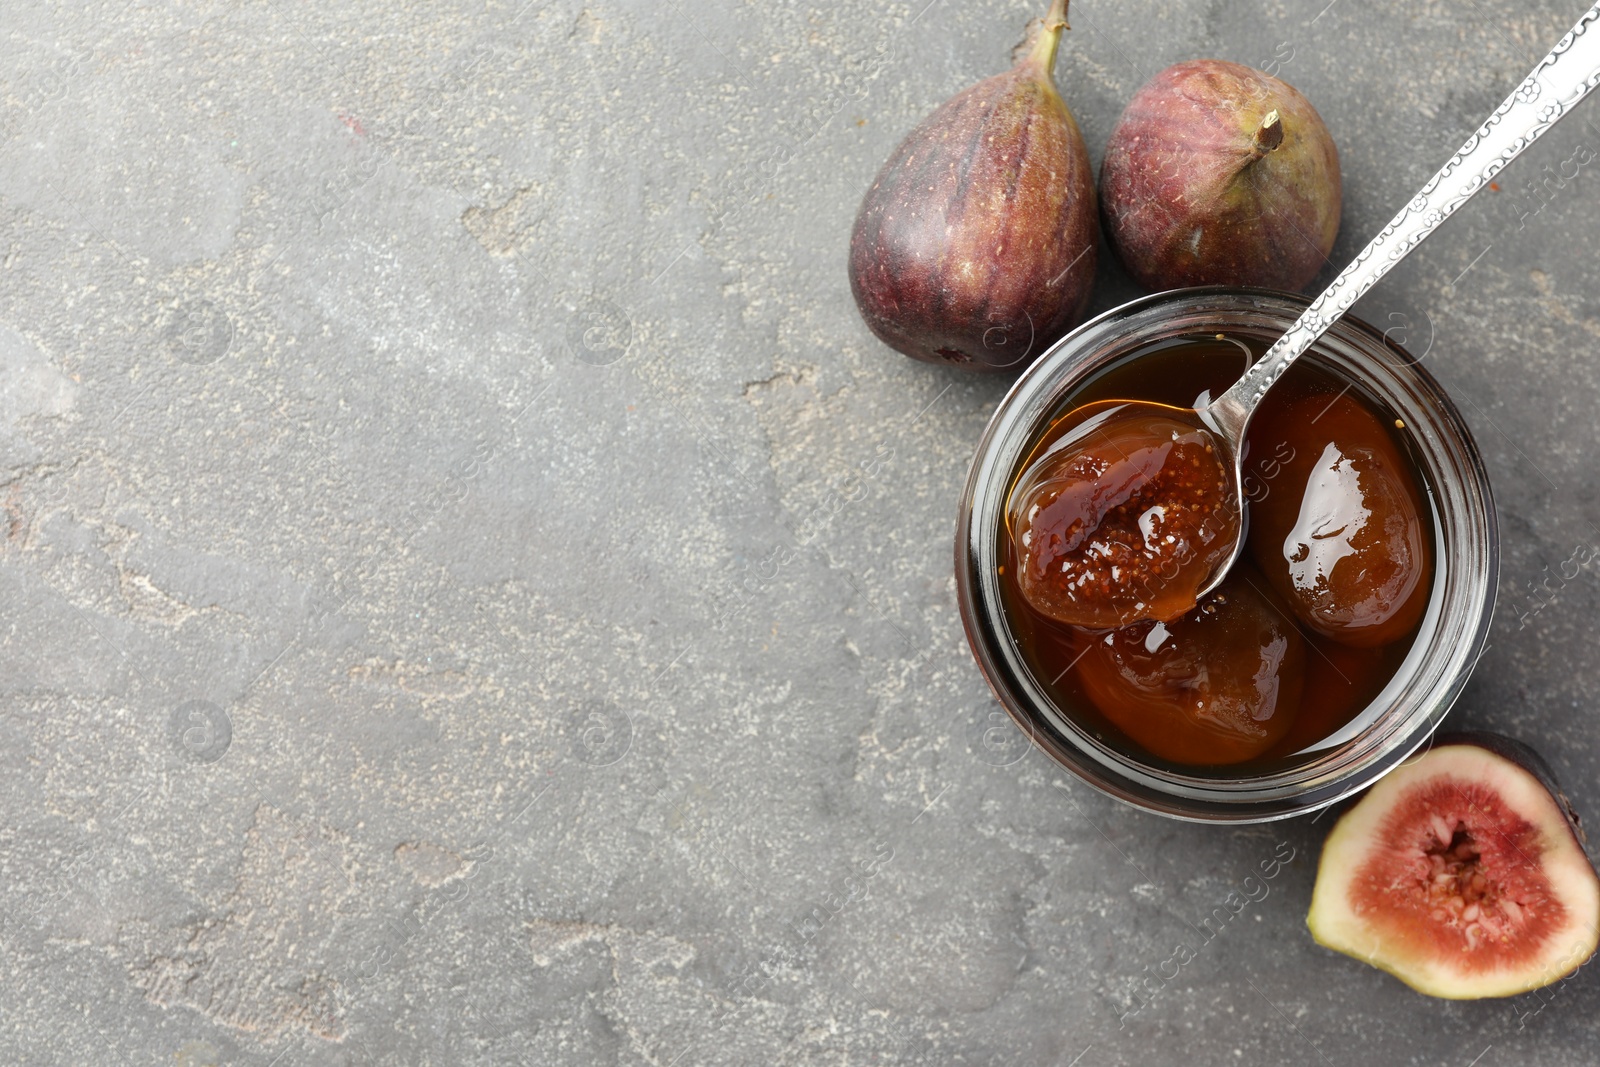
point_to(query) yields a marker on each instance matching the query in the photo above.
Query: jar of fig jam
(1353, 703)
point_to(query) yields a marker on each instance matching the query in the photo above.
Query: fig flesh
(1220, 174)
(1462, 873)
(976, 245)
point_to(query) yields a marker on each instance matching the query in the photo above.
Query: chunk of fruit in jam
(1124, 518)
(1219, 685)
(1338, 531)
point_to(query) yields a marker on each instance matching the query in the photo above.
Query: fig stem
(1049, 39)
(1270, 135)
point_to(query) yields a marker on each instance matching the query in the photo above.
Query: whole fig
(976, 245)
(1220, 174)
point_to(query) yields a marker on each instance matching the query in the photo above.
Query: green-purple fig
(1220, 174)
(976, 245)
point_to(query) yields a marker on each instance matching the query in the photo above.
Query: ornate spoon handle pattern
(1554, 88)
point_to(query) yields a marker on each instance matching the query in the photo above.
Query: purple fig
(1219, 174)
(976, 245)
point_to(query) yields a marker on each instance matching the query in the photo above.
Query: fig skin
(1375, 901)
(976, 245)
(1200, 186)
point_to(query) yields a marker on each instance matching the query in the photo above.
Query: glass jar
(1441, 657)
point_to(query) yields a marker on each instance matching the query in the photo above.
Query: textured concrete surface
(472, 591)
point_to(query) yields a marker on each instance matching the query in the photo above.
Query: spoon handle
(1563, 78)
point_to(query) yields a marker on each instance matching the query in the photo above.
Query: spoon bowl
(1125, 515)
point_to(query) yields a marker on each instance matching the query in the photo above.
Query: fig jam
(1310, 624)
(1125, 516)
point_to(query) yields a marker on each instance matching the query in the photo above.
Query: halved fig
(1462, 873)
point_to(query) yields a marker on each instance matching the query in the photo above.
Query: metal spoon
(1556, 85)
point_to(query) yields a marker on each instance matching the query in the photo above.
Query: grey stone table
(472, 590)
